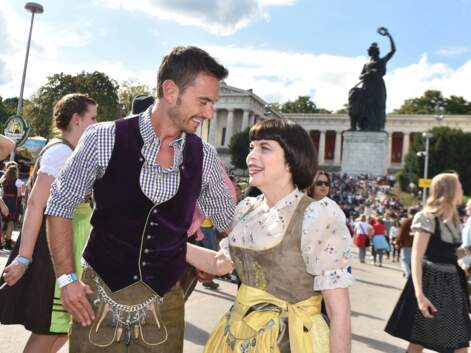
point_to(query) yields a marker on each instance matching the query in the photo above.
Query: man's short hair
(183, 64)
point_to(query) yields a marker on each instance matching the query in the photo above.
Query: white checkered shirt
(90, 160)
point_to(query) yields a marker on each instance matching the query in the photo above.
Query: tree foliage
(450, 149)
(303, 104)
(239, 148)
(96, 84)
(128, 90)
(433, 102)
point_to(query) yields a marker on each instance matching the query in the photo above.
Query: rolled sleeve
(76, 179)
(215, 199)
(224, 248)
(326, 245)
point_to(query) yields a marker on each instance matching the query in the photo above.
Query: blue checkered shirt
(92, 155)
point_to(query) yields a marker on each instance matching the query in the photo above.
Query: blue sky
(280, 48)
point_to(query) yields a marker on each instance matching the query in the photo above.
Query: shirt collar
(148, 133)
(286, 201)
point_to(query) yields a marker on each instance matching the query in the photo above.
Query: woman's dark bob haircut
(300, 153)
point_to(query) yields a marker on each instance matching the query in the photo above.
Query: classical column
(405, 146)
(245, 119)
(212, 129)
(229, 127)
(322, 147)
(390, 138)
(251, 119)
(338, 146)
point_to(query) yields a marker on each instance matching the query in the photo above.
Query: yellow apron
(257, 331)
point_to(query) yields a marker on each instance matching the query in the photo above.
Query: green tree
(450, 149)
(433, 102)
(303, 104)
(457, 105)
(239, 148)
(96, 84)
(5, 113)
(128, 90)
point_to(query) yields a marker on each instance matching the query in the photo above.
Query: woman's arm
(208, 260)
(31, 226)
(338, 309)
(419, 245)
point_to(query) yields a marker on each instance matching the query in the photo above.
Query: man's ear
(170, 91)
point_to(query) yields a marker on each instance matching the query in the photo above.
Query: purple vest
(133, 239)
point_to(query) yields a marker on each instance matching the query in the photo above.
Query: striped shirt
(92, 155)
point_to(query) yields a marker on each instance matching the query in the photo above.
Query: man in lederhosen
(147, 173)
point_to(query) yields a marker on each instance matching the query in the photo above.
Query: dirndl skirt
(444, 286)
(34, 301)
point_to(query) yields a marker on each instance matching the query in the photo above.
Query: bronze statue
(367, 104)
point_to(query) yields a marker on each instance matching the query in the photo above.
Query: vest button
(154, 223)
(141, 159)
(146, 251)
(143, 263)
(135, 277)
(155, 210)
(149, 236)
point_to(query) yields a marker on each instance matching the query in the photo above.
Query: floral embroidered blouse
(325, 240)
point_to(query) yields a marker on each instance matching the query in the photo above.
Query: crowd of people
(115, 277)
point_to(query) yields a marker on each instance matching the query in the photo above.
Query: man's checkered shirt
(90, 160)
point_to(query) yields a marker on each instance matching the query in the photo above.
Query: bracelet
(23, 260)
(66, 279)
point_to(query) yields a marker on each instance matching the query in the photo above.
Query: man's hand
(74, 299)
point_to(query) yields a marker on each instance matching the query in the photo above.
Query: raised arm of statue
(383, 31)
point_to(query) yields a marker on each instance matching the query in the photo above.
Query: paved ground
(373, 296)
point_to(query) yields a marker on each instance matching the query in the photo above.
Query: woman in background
(32, 297)
(432, 311)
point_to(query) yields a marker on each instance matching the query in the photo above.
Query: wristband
(23, 260)
(66, 279)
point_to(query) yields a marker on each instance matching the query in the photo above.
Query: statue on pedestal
(367, 104)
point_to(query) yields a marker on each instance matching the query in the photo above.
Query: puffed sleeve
(54, 159)
(423, 222)
(242, 208)
(326, 245)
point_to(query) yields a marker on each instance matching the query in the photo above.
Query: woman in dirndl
(289, 251)
(31, 296)
(433, 309)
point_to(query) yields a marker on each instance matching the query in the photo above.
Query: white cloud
(45, 57)
(453, 51)
(219, 17)
(280, 76)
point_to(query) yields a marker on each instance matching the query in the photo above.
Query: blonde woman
(432, 311)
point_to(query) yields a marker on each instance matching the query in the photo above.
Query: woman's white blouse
(325, 241)
(54, 158)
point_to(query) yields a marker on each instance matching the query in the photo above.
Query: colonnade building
(238, 109)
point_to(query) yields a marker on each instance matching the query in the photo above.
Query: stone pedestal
(364, 152)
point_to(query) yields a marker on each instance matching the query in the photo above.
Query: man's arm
(73, 295)
(215, 199)
(73, 183)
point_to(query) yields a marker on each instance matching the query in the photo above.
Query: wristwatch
(66, 279)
